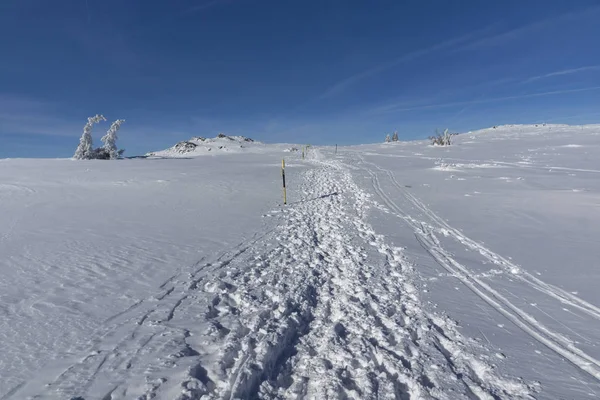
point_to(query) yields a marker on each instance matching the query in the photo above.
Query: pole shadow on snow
(315, 198)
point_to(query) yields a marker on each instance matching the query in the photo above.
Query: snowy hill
(197, 146)
(396, 270)
(536, 129)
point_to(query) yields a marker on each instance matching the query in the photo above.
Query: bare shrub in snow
(85, 150)
(441, 139)
(110, 139)
(100, 153)
(387, 138)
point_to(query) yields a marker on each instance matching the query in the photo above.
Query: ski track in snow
(320, 307)
(425, 233)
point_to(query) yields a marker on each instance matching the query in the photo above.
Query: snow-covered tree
(85, 150)
(446, 137)
(387, 138)
(441, 139)
(110, 139)
(395, 137)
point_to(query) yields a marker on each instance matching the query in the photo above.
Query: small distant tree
(441, 139)
(110, 140)
(395, 137)
(85, 149)
(387, 138)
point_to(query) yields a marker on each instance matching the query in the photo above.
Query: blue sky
(324, 72)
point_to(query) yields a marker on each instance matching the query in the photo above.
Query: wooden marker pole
(283, 176)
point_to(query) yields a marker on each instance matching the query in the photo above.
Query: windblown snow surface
(396, 271)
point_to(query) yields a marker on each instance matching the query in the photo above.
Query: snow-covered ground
(396, 270)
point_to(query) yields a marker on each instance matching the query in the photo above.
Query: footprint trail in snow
(321, 307)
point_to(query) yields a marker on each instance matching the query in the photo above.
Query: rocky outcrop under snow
(198, 145)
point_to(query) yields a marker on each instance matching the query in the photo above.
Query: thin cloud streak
(563, 72)
(39, 125)
(491, 100)
(344, 84)
(520, 31)
(381, 109)
(24, 115)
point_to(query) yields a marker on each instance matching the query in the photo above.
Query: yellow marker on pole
(283, 176)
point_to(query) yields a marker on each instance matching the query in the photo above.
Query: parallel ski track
(520, 318)
(557, 293)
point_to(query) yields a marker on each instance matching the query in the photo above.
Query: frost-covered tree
(387, 138)
(110, 140)
(395, 137)
(441, 139)
(85, 150)
(446, 137)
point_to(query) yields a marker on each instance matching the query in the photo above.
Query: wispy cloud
(508, 35)
(521, 31)
(383, 110)
(10, 103)
(482, 88)
(38, 124)
(473, 41)
(563, 72)
(20, 114)
(346, 83)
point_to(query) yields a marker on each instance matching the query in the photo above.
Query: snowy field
(396, 271)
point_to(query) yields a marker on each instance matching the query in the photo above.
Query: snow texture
(396, 271)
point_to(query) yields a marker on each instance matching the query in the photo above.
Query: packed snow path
(319, 307)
